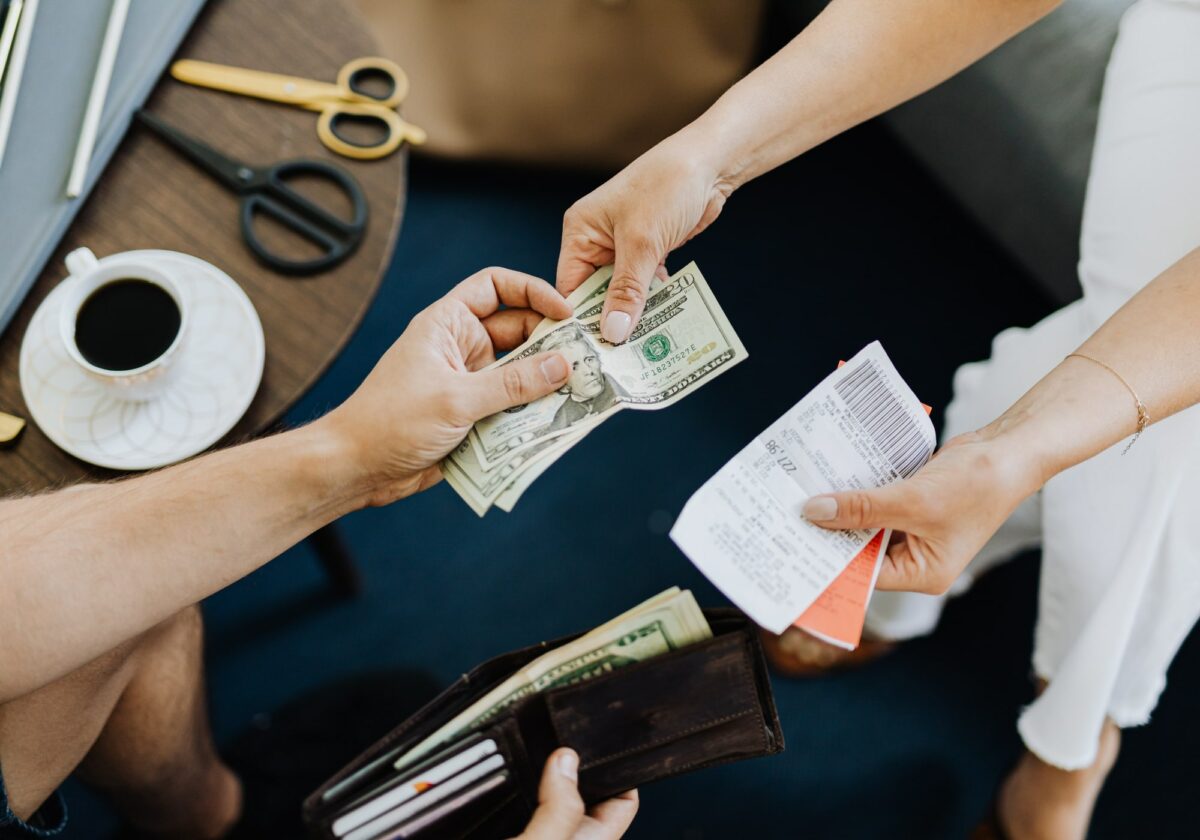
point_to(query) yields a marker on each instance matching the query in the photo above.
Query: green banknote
(682, 342)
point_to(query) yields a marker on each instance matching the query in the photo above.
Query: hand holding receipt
(860, 428)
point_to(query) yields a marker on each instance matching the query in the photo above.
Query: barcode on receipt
(892, 428)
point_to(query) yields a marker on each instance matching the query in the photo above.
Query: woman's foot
(1038, 800)
(799, 654)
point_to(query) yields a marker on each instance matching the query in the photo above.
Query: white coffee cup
(87, 274)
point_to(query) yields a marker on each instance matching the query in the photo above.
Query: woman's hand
(561, 815)
(942, 516)
(425, 393)
(652, 206)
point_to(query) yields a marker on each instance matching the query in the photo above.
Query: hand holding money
(682, 342)
(435, 381)
(651, 207)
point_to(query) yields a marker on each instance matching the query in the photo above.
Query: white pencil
(9, 33)
(95, 105)
(12, 84)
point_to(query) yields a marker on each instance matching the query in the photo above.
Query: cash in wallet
(660, 690)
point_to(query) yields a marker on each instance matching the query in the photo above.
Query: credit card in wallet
(431, 817)
(394, 818)
(409, 786)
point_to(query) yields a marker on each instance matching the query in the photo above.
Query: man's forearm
(84, 569)
(856, 60)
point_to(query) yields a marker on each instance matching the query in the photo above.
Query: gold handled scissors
(344, 100)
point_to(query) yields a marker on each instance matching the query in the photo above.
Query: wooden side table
(150, 197)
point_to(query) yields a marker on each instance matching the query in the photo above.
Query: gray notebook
(34, 209)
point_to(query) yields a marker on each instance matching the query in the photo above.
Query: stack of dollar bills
(682, 342)
(670, 620)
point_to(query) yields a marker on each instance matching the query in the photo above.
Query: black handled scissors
(264, 190)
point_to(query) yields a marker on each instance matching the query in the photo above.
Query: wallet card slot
(405, 785)
(504, 812)
(505, 808)
(470, 812)
(374, 761)
(508, 734)
(433, 819)
(388, 820)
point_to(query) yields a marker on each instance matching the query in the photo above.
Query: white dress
(1120, 580)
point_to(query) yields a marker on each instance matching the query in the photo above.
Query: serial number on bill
(681, 354)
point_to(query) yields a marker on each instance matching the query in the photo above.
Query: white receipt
(862, 427)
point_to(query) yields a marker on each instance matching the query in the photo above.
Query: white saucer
(220, 368)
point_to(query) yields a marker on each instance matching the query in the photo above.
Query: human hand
(561, 815)
(427, 391)
(657, 203)
(942, 516)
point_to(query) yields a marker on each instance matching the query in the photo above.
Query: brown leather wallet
(706, 704)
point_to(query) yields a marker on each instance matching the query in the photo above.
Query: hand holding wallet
(703, 704)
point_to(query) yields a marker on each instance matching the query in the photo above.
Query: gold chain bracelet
(1143, 416)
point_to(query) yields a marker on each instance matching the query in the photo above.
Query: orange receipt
(862, 427)
(838, 614)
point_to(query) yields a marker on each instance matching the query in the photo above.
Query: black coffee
(125, 324)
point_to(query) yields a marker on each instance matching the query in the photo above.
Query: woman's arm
(856, 60)
(86, 568)
(952, 506)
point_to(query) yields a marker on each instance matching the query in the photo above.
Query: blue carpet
(849, 244)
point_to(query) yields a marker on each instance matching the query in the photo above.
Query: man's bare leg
(134, 723)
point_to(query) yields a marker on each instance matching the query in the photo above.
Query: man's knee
(167, 673)
(180, 635)
(46, 734)
(177, 635)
